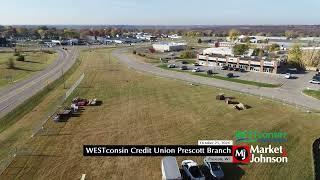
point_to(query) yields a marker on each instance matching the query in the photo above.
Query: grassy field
(143, 109)
(241, 81)
(34, 62)
(313, 93)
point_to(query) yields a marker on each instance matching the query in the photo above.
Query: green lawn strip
(253, 83)
(312, 93)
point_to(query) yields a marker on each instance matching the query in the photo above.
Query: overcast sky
(160, 12)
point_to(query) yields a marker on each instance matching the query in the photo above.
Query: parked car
(196, 69)
(236, 69)
(230, 75)
(224, 67)
(171, 66)
(209, 72)
(242, 70)
(184, 62)
(184, 68)
(230, 68)
(314, 81)
(214, 167)
(170, 169)
(287, 76)
(192, 170)
(196, 64)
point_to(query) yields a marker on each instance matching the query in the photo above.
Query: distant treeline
(80, 31)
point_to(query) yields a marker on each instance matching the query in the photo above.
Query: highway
(16, 94)
(289, 94)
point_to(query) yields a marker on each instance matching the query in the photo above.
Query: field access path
(14, 95)
(286, 94)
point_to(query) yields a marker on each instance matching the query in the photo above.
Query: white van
(170, 169)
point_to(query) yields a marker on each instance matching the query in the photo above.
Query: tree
(233, 34)
(199, 41)
(258, 52)
(187, 54)
(10, 63)
(274, 47)
(240, 49)
(295, 56)
(311, 58)
(291, 34)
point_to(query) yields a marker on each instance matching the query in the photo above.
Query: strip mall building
(226, 58)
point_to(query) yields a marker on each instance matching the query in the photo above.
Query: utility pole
(64, 83)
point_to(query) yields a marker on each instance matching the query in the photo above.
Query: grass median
(312, 93)
(34, 61)
(241, 81)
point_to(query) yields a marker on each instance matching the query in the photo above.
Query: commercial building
(248, 63)
(167, 47)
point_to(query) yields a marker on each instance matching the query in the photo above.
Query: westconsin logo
(255, 136)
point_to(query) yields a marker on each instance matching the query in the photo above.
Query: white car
(287, 76)
(314, 81)
(214, 167)
(170, 169)
(196, 69)
(192, 170)
(171, 66)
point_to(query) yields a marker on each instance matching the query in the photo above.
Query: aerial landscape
(160, 90)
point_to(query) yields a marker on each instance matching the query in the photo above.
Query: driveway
(289, 93)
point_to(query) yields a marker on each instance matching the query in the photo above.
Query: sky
(159, 12)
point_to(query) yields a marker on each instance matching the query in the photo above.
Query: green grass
(313, 93)
(32, 102)
(144, 109)
(253, 83)
(34, 61)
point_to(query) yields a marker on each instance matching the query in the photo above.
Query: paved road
(16, 94)
(285, 94)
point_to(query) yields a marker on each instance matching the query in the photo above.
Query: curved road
(284, 94)
(13, 96)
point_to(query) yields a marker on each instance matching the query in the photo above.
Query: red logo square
(241, 154)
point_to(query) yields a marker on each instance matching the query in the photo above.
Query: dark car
(230, 68)
(184, 62)
(241, 70)
(236, 69)
(183, 68)
(230, 75)
(224, 67)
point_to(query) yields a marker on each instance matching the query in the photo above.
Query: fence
(39, 129)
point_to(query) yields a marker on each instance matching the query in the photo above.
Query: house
(168, 47)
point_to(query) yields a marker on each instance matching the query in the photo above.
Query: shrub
(47, 51)
(188, 54)
(20, 58)
(152, 50)
(10, 63)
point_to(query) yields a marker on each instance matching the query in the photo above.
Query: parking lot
(299, 81)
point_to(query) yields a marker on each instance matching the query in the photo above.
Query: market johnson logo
(268, 154)
(258, 154)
